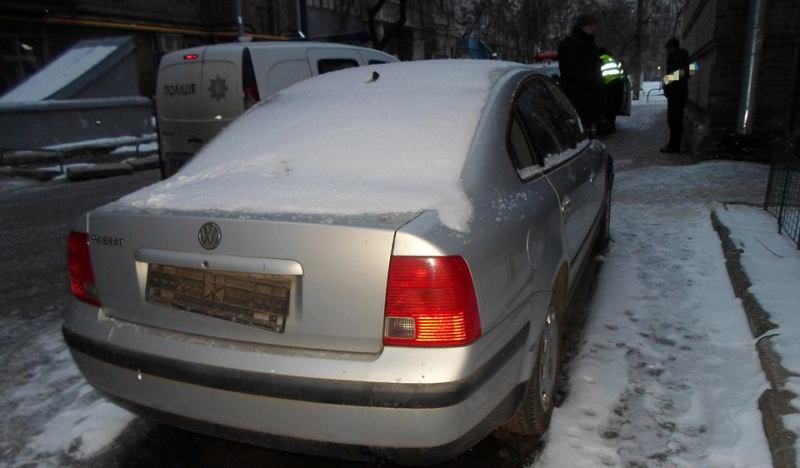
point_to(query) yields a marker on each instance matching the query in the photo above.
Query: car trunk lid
(317, 283)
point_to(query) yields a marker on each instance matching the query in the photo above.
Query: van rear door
(222, 93)
(199, 93)
(178, 101)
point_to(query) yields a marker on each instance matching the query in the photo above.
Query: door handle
(566, 204)
(592, 177)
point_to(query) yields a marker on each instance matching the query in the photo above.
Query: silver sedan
(374, 263)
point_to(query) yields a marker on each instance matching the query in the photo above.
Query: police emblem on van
(218, 88)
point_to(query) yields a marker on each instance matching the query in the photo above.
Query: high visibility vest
(611, 69)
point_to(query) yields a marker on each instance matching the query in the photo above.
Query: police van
(202, 89)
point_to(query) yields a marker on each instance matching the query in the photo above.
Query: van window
(329, 65)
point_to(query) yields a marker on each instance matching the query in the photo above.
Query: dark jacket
(678, 61)
(579, 64)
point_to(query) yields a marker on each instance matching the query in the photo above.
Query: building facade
(34, 32)
(715, 35)
(432, 28)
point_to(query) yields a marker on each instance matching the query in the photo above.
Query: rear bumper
(406, 422)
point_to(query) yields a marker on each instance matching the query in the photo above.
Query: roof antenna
(375, 76)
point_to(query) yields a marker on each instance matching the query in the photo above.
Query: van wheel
(533, 415)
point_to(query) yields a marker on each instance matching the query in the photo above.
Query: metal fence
(783, 198)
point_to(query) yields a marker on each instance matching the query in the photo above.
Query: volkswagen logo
(209, 236)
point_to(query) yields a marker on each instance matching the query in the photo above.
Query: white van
(201, 90)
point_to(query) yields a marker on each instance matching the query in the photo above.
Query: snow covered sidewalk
(667, 373)
(771, 264)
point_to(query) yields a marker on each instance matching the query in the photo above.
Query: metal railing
(783, 198)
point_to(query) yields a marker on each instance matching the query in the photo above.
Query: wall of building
(714, 35)
(46, 28)
(429, 31)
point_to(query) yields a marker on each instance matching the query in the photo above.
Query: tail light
(249, 85)
(251, 96)
(430, 302)
(79, 265)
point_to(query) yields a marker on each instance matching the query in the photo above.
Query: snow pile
(772, 263)
(109, 142)
(667, 373)
(343, 144)
(59, 73)
(144, 148)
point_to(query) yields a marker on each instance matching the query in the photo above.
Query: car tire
(532, 417)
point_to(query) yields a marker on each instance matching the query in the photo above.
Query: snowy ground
(772, 263)
(665, 372)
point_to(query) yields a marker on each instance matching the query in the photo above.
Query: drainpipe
(300, 9)
(754, 43)
(237, 5)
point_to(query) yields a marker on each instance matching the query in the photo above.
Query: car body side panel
(508, 216)
(278, 68)
(578, 196)
(283, 74)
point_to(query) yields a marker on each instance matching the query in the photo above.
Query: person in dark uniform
(676, 90)
(579, 64)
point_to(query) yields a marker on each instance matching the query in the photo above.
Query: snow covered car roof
(343, 143)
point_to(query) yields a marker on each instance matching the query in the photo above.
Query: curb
(774, 403)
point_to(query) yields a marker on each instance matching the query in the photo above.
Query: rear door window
(571, 129)
(330, 65)
(539, 117)
(520, 150)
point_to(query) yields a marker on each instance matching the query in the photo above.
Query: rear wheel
(533, 415)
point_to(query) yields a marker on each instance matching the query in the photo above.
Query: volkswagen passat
(373, 263)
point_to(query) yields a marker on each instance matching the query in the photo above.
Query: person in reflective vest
(614, 87)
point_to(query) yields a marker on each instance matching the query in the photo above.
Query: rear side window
(573, 132)
(376, 62)
(539, 116)
(330, 65)
(521, 152)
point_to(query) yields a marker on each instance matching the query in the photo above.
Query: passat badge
(209, 236)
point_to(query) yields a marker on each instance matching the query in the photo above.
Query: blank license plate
(250, 299)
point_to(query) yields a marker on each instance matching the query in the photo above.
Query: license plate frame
(256, 300)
